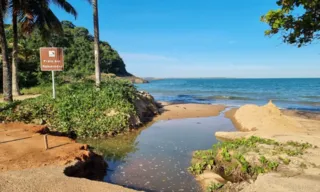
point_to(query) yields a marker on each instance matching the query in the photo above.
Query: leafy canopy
(78, 49)
(297, 20)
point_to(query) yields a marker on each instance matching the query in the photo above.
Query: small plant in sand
(240, 159)
(214, 186)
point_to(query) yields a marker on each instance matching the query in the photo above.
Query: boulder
(146, 106)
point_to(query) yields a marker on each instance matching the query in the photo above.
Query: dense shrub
(79, 108)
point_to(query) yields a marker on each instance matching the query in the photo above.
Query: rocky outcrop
(134, 79)
(147, 107)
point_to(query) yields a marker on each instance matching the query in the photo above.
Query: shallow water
(157, 158)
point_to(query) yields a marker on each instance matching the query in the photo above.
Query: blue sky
(204, 38)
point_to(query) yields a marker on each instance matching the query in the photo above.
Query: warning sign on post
(51, 59)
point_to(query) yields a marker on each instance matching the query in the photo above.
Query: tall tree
(16, 5)
(96, 42)
(297, 20)
(7, 81)
(34, 13)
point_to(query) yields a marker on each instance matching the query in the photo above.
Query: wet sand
(182, 111)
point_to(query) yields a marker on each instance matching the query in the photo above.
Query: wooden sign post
(52, 59)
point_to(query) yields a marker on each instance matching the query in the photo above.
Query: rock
(138, 80)
(146, 106)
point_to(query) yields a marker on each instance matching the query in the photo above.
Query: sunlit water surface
(157, 158)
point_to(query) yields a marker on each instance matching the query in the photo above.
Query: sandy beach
(269, 122)
(24, 161)
(181, 111)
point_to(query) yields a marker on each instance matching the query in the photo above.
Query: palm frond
(66, 6)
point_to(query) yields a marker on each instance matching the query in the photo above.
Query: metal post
(53, 86)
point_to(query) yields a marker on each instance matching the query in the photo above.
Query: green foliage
(286, 161)
(263, 160)
(297, 20)
(78, 51)
(197, 168)
(225, 154)
(214, 186)
(244, 163)
(80, 109)
(229, 158)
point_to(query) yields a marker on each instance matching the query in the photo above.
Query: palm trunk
(7, 89)
(15, 80)
(96, 42)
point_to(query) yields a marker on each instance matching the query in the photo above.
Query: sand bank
(181, 111)
(270, 122)
(25, 165)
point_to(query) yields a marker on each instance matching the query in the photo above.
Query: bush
(80, 109)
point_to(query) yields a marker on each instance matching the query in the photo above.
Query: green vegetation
(79, 57)
(80, 109)
(296, 20)
(214, 187)
(240, 160)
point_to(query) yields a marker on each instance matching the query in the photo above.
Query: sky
(203, 38)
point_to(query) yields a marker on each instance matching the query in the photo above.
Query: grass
(230, 159)
(41, 89)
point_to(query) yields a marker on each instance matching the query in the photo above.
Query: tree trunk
(7, 89)
(96, 42)
(15, 80)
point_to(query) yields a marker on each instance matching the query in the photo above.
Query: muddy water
(157, 158)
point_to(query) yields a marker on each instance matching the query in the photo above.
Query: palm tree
(15, 11)
(31, 14)
(96, 42)
(7, 90)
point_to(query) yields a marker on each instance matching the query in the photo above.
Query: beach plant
(286, 161)
(246, 158)
(79, 109)
(214, 186)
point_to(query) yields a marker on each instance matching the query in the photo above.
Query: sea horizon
(286, 93)
(159, 78)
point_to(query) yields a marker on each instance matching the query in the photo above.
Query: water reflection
(115, 148)
(157, 158)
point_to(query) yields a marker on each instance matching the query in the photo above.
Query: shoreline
(66, 160)
(168, 112)
(283, 126)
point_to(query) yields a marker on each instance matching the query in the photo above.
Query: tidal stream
(157, 158)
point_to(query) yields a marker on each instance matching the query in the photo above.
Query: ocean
(299, 94)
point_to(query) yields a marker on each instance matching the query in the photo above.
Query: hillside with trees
(78, 48)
